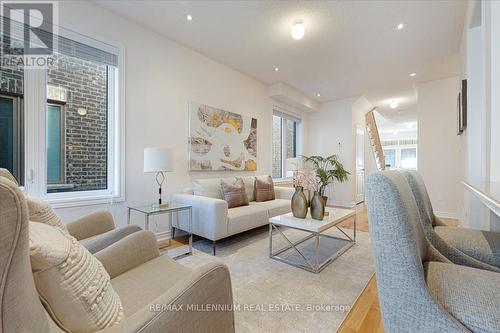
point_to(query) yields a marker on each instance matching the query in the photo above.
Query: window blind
(90, 49)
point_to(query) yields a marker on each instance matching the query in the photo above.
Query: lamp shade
(158, 159)
(293, 164)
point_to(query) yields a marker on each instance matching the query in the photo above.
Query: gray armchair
(147, 283)
(419, 289)
(94, 231)
(469, 247)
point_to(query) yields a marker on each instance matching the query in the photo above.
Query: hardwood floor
(365, 316)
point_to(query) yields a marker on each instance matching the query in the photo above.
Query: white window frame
(284, 114)
(35, 104)
(398, 149)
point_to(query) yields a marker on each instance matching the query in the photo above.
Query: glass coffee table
(307, 253)
(173, 210)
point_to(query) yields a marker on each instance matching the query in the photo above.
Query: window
(71, 153)
(409, 158)
(400, 154)
(390, 158)
(285, 132)
(55, 145)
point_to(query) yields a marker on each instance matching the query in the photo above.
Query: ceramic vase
(299, 203)
(317, 207)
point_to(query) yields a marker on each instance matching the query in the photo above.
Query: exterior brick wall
(85, 136)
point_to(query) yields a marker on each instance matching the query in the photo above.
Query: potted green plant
(327, 169)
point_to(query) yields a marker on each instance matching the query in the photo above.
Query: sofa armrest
(209, 215)
(284, 192)
(201, 302)
(129, 252)
(90, 225)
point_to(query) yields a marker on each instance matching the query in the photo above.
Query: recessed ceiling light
(298, 30)
(400, 26)
(318, 95)
(276, 69)
(393, 104)
(189, 17)
(413, 74)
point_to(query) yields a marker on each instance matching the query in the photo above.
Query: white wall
(162, 77)
(333, 131)
(438, 144)
(480, 142)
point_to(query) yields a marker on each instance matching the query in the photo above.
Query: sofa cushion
(210, 187)
(42, 212)
(71, 282)
(249, 186)
(481, 245)
(139, 287)
(234, 193)
(471, 295)
(275, 207)
(264, 189)
(246, 217)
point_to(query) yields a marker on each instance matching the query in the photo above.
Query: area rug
(271, 296)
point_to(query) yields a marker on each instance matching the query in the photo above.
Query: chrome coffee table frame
(317, 233)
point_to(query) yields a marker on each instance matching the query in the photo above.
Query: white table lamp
(158, 160)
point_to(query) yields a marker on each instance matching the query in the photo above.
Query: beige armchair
(150, 286)
(94, 231)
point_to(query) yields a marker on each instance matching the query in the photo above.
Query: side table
(173, 210)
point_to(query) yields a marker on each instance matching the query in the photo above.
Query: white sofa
(213, 220)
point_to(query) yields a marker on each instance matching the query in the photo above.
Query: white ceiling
(350, 48)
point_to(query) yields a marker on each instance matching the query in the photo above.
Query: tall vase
(317, 207)
(299, 203)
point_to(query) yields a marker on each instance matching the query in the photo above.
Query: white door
(360, 164)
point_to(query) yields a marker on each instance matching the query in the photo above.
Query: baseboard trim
(448, 215)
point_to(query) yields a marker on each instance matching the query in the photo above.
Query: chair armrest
(90, 225)
(129, 252)
(209, 215)
(284, 192)
(181, 308)
(98, 242)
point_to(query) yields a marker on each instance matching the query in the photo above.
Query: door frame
(359, 198)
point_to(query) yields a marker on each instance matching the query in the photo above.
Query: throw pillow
(234, 194)
(264, 189)
(42, 212)
(72, 283)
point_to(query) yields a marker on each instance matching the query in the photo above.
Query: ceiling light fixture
(400, 26)
(189, 17)
(318, 95)
(393, 104)
(298, 30)
(413, 74)
(276, 69)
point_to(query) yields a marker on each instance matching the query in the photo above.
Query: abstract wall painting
(221, 140)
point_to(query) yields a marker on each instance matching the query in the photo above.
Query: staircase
(371, 128)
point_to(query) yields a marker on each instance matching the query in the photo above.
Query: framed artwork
(460, 128)
(462, 108)
(220, 140)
